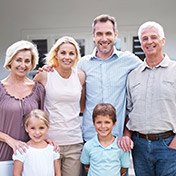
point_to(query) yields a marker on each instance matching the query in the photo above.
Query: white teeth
(150, 47)
(67, 61)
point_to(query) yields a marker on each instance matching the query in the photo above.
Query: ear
(116, 35)
(26, 129)
(163, 41)
(114, 124)
(93, 35)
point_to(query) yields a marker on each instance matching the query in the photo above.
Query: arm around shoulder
(13, 143)
(41, 77)
(82, 77)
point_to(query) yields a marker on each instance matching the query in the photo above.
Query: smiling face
(151, 42)
(66, 55)
(104, 37)
(103, 125)
(21, 63)
(37, 130)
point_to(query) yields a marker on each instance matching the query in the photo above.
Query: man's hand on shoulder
(125, 143)
(46, 68)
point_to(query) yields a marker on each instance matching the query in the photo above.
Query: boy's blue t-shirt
(104, 161)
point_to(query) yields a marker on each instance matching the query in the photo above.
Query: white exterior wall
(21, 19)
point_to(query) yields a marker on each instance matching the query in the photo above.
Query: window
(42, 49)
(137, 50)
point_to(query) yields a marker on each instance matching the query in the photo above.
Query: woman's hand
(56, 147)
(17, 145)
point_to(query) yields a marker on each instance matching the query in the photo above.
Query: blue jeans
(153, 158)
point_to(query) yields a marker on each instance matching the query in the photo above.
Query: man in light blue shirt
(106, 72)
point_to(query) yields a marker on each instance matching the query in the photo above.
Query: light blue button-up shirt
(106, 83)
(104, 161)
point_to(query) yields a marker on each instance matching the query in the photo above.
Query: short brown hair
(104, 109)
(104, 18)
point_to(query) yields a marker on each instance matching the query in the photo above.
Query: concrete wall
(20, 16)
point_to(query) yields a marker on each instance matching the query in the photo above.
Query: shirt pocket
(168, 89)
(135, 89)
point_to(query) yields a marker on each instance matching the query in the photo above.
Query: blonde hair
(37, 113)
(53, 52)
(20, 46)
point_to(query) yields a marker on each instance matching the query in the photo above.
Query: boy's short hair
(104, 109)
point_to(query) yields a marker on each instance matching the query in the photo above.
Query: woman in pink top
(62, 103)
(18, 96)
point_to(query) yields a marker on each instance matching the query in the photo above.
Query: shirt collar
(113, 145)
(93, 55)
(163, 63)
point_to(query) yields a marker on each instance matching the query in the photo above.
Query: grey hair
(151, 24)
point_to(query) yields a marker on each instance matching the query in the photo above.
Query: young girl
(39, 158)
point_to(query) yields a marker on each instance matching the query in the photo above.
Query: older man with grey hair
(151, 106)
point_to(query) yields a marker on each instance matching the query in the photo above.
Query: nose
(22, 64)
(149, 40)
(37, 132)
(67, 56)
(104, 38)
(102, 125)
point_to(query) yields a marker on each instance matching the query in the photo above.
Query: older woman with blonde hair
(62, 102)
(18, 96)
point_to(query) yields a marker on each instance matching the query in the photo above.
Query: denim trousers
(153, 158)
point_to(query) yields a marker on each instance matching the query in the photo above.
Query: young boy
(102, 153)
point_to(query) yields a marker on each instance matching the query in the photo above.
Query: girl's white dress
(38, 162)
